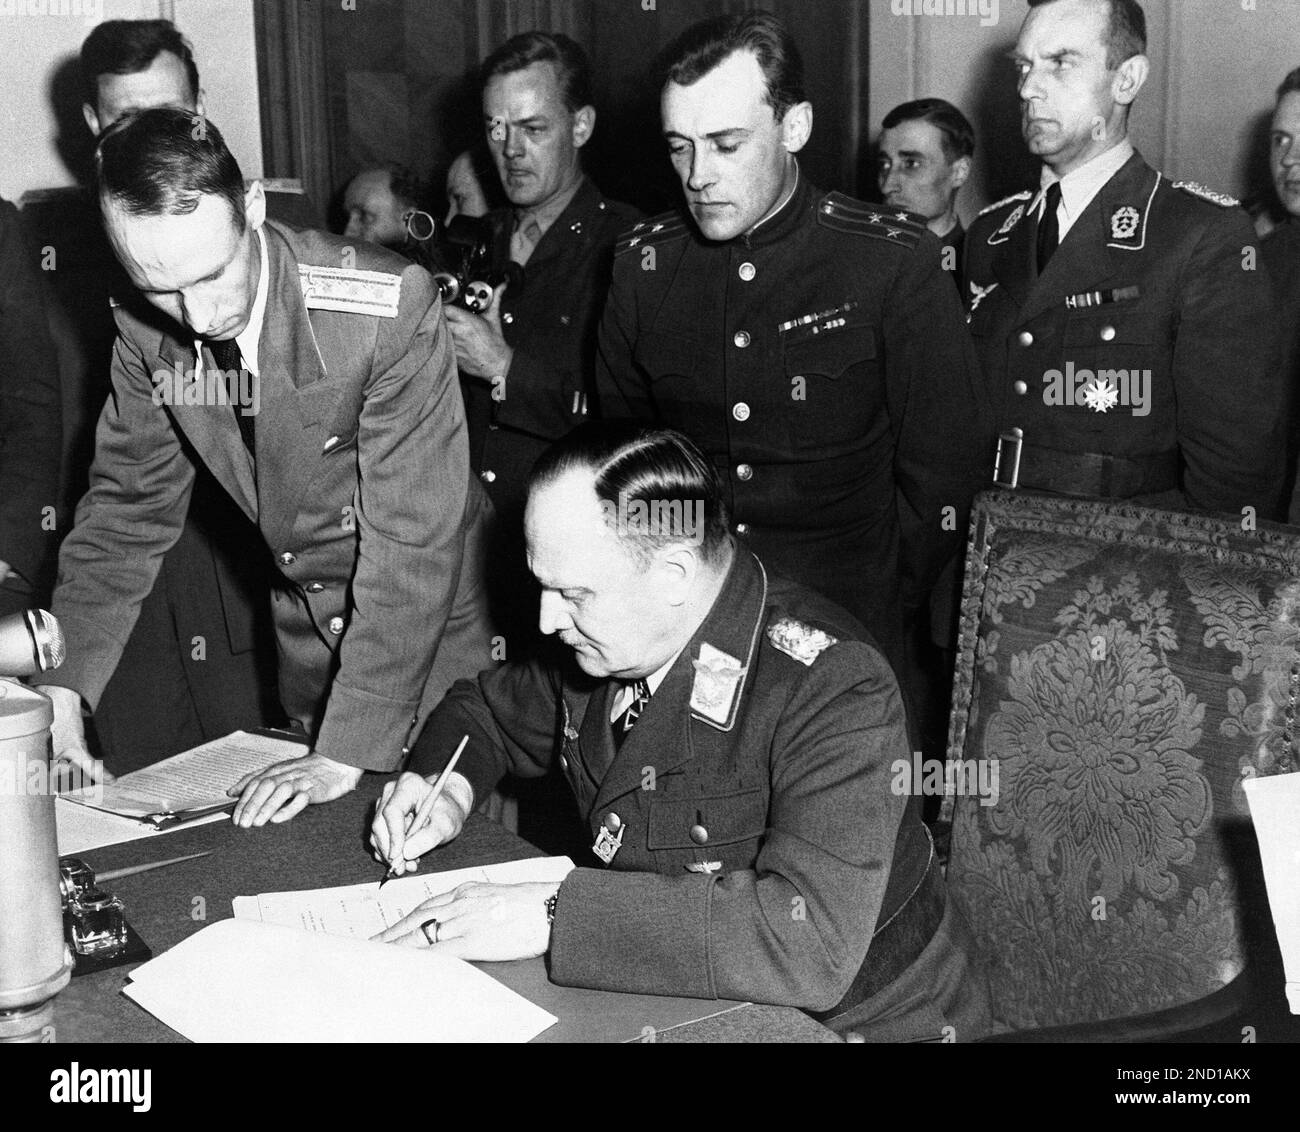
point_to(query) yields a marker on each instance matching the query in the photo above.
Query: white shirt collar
(248, 339)
(625, 693)
(1080, 186)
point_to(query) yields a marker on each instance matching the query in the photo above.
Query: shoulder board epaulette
(1196, 190)
(798, 640)
(894, 225)
(350, 290)
(1005, 201)
(656, 230)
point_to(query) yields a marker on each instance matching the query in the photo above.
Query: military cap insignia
(1124, 223)
(844, 214)
(798, 640)
(718, 678)
(1197, 190)
(350, 290)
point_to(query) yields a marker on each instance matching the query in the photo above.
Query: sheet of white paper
(81, 828)
(237, 981)
(1275, 809)
(196, 777)
(363, 910)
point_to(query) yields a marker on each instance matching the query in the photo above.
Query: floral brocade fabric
(1125, 669)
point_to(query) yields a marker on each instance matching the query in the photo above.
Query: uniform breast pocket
(337, 443)
(668, 357)
(722, 828)
(832, 388)
(1110, 360)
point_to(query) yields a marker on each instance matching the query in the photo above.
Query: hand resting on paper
(392, 839)
(284, 790)
(493, 922)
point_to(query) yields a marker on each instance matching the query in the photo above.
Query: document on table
(241, 981)
(81, 828)
(193, 780)
(364, 910)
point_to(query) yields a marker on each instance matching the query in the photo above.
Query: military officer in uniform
(321, 394)
(526, 362)
(1121, 319)
(728, 736)
(811, 344)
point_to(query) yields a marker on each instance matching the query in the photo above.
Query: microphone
(30, 642)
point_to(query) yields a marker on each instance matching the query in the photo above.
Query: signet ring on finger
(424, 927)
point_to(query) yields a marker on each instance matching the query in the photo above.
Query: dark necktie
(1049, 228)
(625, 722)
(228, 358)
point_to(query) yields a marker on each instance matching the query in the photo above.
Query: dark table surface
(324, 846)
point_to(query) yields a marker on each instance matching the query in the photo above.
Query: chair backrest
(1125, 669)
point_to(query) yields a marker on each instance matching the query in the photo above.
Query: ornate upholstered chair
(1123, 669)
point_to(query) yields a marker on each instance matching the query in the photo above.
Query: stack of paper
(364, 910)
(239, 981)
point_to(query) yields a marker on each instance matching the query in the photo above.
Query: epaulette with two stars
(894, 225)
(1005, 201)
(657, 230)
(1197, 190)
(350, 290)
(803, 642)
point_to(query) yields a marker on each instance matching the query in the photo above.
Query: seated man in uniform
(728, 736)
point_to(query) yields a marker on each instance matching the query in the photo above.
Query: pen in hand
(425, 811)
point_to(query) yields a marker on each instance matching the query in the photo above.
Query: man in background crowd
(1128, 346)
(377, 203)
(925, 155)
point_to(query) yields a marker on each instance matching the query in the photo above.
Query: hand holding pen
(413, 817)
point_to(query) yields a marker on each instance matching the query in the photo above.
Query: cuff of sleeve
(91, 657)
(363, 730)
(638, 933)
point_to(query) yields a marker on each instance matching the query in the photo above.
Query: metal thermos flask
(35, 963)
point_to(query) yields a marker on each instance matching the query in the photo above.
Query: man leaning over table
(728, 736)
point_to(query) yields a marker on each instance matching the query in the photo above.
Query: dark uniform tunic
(763, 849)
(1155, 285)
(1280, 250)
(821, 363)
(551, 325)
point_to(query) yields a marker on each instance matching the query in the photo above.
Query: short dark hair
(704, 45)
(957, 135)
(125, 47)
(572, 66)
(160, 162)
(656, 474)
(1126, 33)
(1290, 84)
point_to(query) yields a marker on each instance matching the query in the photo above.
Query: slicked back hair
(126, 47)
(651, 472)
(163, 161)
(1126, 33)
(957, 135)
(1290, 84)
(572, 66)
(703, 46)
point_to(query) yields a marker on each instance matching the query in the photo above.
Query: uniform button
(740, 411)
(742, 528)
(741, 339)
(699, 834)
(508, 318)
(287, 559)
(1108, 334)
(336, 625)
(613, 822)
(315, 588)
(1025, 338)
(1021, 388)
(564, 763)
(487, 475)
(744, 472)
(748, 271)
